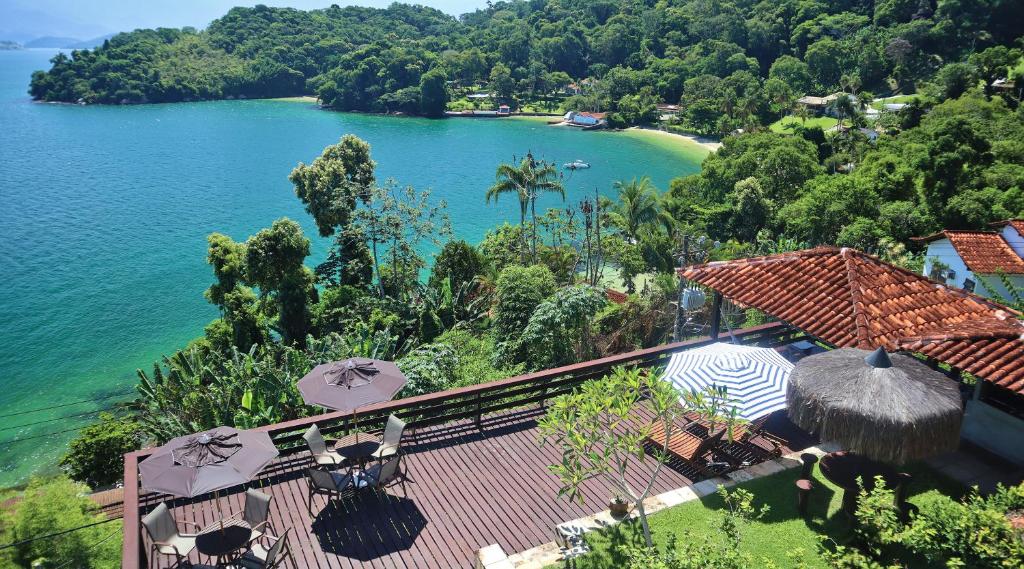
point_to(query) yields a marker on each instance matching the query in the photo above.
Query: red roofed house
(586, 119)
(846, 298)
(959, 258)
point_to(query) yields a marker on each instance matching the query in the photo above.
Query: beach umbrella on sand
(889, 408)
(350, 384)
(195, 464)
(754, 378)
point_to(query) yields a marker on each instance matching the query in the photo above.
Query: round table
(223, 539)
(843, 468)
(357, 447)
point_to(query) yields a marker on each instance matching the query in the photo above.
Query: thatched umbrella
(888, 408)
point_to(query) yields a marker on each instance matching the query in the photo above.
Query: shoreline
(299, 99)
(709, 144)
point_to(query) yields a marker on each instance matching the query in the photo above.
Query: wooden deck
(466, 488)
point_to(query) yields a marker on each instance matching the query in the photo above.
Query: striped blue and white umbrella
(755, 379)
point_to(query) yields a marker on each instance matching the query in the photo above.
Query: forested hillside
(733, 64)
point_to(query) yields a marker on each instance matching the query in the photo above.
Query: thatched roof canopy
(891, 408)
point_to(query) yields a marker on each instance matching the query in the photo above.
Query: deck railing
(471, 402)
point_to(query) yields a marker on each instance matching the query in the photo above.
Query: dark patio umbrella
(204, 462)
(350, 384)
(888, 408)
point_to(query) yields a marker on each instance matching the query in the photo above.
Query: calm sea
(104, 213)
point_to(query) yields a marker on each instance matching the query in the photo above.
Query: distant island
(10, 45)
(66, 42)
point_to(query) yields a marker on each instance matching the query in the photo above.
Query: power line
(44, 435)
(61, 418)
(55, 534)
(104, 398)
(91, 547)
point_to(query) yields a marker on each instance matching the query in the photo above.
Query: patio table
(842, 468)
(357, 446)
(223, 542)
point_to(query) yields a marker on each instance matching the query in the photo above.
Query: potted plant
(619, 506)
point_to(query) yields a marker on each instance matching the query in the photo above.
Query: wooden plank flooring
(465, 488)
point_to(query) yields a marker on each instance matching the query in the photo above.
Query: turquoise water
(104, 213)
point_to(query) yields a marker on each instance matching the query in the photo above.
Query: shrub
(96, 455)
(51, 506)
(519, 291)
(458, 262)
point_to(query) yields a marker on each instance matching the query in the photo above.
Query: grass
(782, 124)
(774, 536)
(879, 104)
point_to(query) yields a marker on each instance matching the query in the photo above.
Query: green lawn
(781, 531)
(878, 103)
(781, 125)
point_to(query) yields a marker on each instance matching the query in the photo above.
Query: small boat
(576, 165)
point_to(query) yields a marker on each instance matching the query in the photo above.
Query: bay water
(104, 213)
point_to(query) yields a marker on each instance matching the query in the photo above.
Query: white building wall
(994, 430)
(1016, 240)
(943, 251)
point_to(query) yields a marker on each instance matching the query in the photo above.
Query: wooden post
(900, 494)
(803, 493)
(808, 460)
(133, 553)
(716, 315)
(478, 419)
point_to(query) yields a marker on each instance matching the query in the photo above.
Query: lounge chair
(164, 536)
(330, 484)
(747, 432)
(383, 473)
(744, 433)
(318, 448)
(256, 513)
(694, 450)
(391, 441)
(259, 557)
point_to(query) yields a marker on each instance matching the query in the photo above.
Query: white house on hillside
(971, 260)
(574, 118)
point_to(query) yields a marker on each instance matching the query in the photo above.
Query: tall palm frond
(638, 204)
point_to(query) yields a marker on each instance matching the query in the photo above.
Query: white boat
(576, 165)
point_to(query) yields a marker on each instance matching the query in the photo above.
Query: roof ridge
(860, 320)
(768, 259)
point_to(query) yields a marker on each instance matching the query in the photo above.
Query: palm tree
(844, 107)
(803, 113)
(526, 181)
(638, 205)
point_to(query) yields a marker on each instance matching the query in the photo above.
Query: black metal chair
(330, 484)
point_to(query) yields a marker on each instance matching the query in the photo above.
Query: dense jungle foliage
(532, 295)
(732, 63)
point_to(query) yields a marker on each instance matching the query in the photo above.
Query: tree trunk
(642, 514)
(522, 233)
(533, 214)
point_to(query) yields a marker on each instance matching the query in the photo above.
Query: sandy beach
(708, 143)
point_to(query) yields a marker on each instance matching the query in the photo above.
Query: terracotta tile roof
(616, 296)
(983, 252)
(848, 298)
(1017, 224)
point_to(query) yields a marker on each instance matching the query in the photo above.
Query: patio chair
(330, 484)
(747, 432)
(259, 557)
(391, 441)
(383, 473)
(318, 448)
(696, 451)
(164, 536)
(256, 513)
